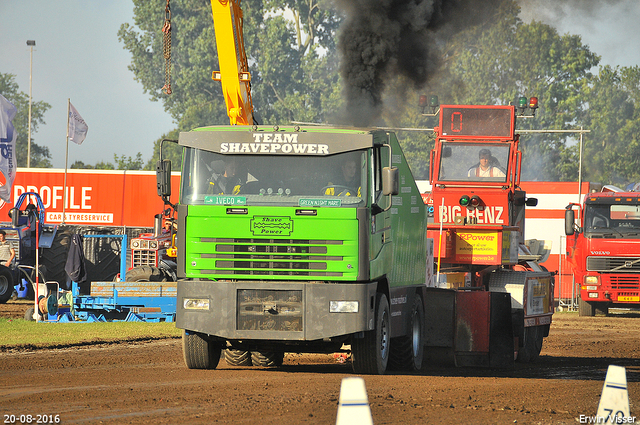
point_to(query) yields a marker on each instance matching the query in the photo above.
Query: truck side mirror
(569, 220)
(390, 181)
(163, 178)
(531, 202)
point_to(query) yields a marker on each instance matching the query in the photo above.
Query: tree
(499, 60)
(127, 163)
(611, 151)
(170, 151)
(195, 96)
(486, 57)
(290, 78)
(79, 165)
(102, 165)
(40, 155)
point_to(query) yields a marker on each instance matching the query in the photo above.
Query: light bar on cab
(524, 103)
(469, 201)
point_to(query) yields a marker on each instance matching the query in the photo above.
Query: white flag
(77, 127)
(7, 148)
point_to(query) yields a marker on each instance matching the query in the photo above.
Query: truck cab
(603, 250)
(300, 240)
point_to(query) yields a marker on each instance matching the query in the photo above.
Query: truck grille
(143, 257)
(613, 264)
(624, 282)
(269, 310)
(275, 257)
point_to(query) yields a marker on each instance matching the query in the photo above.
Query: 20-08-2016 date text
(31, 419)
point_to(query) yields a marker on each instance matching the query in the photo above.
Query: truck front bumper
(280, 311)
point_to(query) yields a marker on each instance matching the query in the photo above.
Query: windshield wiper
(610, 232)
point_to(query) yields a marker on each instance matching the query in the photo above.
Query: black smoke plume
(383, 38)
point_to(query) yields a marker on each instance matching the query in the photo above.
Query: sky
(78, 56)
(608, 27)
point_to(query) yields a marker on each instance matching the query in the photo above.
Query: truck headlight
(343, 306)
(195, 303)
(592, 288)
(593, 295)
(591, 280)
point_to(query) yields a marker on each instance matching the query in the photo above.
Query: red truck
(603, 250)
(504, 300)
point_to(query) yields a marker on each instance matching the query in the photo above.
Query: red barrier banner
(93, 197)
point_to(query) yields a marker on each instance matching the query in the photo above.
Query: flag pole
(66, 161)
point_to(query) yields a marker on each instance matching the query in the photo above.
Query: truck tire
(371, 353)
(54, 258)
(407, 352)
(6, 284)
(237, 357)
(532, 344)
(586, 308)
(145, 274)
(267, 358)
(602, 309)
(199, 352)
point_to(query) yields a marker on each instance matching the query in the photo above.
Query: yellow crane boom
(234, 69)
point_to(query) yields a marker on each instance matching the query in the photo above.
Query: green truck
(299, 239)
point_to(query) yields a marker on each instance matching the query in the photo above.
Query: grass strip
(24, 335)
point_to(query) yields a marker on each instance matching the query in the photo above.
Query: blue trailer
(147, 301)
(128, 301)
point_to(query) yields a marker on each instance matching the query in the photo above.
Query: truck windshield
(474, 161)
(335, 180)
(619, 221)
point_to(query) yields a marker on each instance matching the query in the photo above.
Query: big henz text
(481, 215)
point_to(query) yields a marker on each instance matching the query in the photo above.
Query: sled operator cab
(478, 229)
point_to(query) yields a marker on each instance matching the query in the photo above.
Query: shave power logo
(271, 226)
(275, 143)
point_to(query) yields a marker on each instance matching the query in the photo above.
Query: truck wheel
(407, 351)
(267, 358)
(199, 352)
(586, 308)
(371, 353)
(532, 344)
(601, 309)
(145, 274)
(6, 284)
(237, 357)
(54, 258)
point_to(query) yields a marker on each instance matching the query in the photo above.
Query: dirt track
(148, 383)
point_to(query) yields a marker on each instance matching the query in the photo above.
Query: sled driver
(486, 167)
